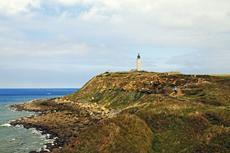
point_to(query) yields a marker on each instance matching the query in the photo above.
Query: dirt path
(179, 92)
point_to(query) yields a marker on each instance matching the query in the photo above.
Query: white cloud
(64, 15)
(41, 49)
(161, 23)
(17, 6)
(116, 19)
(67, 2)
(212, 62)
(94, 14)
(156, 23)
(103, 33)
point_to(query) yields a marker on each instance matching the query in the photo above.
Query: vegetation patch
(192, 92)
(219, 116)
(120, 134)
(215, 139)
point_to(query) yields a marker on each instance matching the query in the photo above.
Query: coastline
(129, 112)
(61, 119)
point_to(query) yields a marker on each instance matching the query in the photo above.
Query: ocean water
(18, 139)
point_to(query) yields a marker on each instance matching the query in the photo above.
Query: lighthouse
(138, 62)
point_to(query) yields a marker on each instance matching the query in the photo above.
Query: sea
(16, 139)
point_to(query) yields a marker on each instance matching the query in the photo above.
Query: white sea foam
(31, 101)
(43, 137)
(43, 149)
(6, 124)
(34, 131)
(19, 126)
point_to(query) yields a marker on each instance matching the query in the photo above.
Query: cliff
(140, 112)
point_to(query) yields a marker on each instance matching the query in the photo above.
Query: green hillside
(196, 119)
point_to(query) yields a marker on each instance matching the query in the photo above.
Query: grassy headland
(196, 119)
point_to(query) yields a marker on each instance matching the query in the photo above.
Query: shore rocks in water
(62, 119)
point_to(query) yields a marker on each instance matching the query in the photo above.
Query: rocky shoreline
(62, 119)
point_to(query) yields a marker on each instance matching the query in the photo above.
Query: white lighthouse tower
(138, 62)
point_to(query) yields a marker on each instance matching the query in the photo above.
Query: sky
(65, 43)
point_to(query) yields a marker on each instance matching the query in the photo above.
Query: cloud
(159, 23)
(15, 6)
(62, 51)
(64, 15)
(94, 14)
(94, 35)
(42, 49)
(67, 2)
(212, 62)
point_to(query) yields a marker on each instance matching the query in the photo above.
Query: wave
(6, 125)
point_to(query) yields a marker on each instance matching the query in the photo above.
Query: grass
(196, 121)
(125, 131)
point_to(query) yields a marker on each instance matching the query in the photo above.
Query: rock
(14, 122)
(147, 83)
(143, 90)
(62, 122)
(106, 111)
(83, 128)
(101, 91)
(91, 113)
(75, 133)
(89, 106)
(80, 125)
(84, 122)
(91, 122)
(103, 108)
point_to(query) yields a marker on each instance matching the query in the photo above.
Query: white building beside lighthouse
(138, 62)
